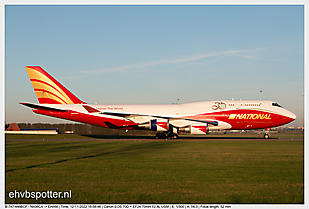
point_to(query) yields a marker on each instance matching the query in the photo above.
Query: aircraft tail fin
(48, 90)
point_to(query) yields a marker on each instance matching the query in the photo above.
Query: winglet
(48, 90)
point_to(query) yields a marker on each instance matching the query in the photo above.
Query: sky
(156, 54)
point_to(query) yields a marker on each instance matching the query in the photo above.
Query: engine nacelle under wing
(198, 128)
(156, 125)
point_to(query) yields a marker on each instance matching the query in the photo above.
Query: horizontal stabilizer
(37, 106)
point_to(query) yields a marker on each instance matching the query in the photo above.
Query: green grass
(252, 135)
(161, 171)
(297, 135)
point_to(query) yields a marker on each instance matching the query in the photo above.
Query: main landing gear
(166, 135)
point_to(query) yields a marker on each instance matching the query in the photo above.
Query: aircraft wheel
(170, 135)
(163, 135)
(266, 136)
(160, 135)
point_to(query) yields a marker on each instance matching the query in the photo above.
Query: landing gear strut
(266, 135)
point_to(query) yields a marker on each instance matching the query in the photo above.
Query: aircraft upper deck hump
(48, 90)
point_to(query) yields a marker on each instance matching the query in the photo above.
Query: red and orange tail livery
(48, 90)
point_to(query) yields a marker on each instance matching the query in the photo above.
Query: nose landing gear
(266, 135)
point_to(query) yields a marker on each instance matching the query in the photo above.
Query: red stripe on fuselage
(241, 122)
(245, 119)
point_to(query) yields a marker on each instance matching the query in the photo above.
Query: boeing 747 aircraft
(168, 120)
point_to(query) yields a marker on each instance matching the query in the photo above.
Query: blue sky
(156, 54)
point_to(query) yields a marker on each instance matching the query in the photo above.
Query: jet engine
(156, 125)
(199, 128)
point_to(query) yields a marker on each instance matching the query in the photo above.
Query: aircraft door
(237, 104)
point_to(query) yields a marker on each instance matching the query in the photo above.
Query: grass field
(158, 171)
(297, 135)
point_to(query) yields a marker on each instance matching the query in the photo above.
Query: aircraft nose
(292, 115)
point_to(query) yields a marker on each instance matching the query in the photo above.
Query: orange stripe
(41, 94)
(38, 85)
(46, 87)
(41, 79)
(45, 91)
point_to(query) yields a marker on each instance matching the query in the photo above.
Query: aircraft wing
(135, 117)
(146, 117)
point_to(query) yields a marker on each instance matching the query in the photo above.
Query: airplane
(168, 120)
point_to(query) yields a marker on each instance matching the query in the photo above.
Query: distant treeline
(82, 129)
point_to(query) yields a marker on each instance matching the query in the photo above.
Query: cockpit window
(276, 104)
